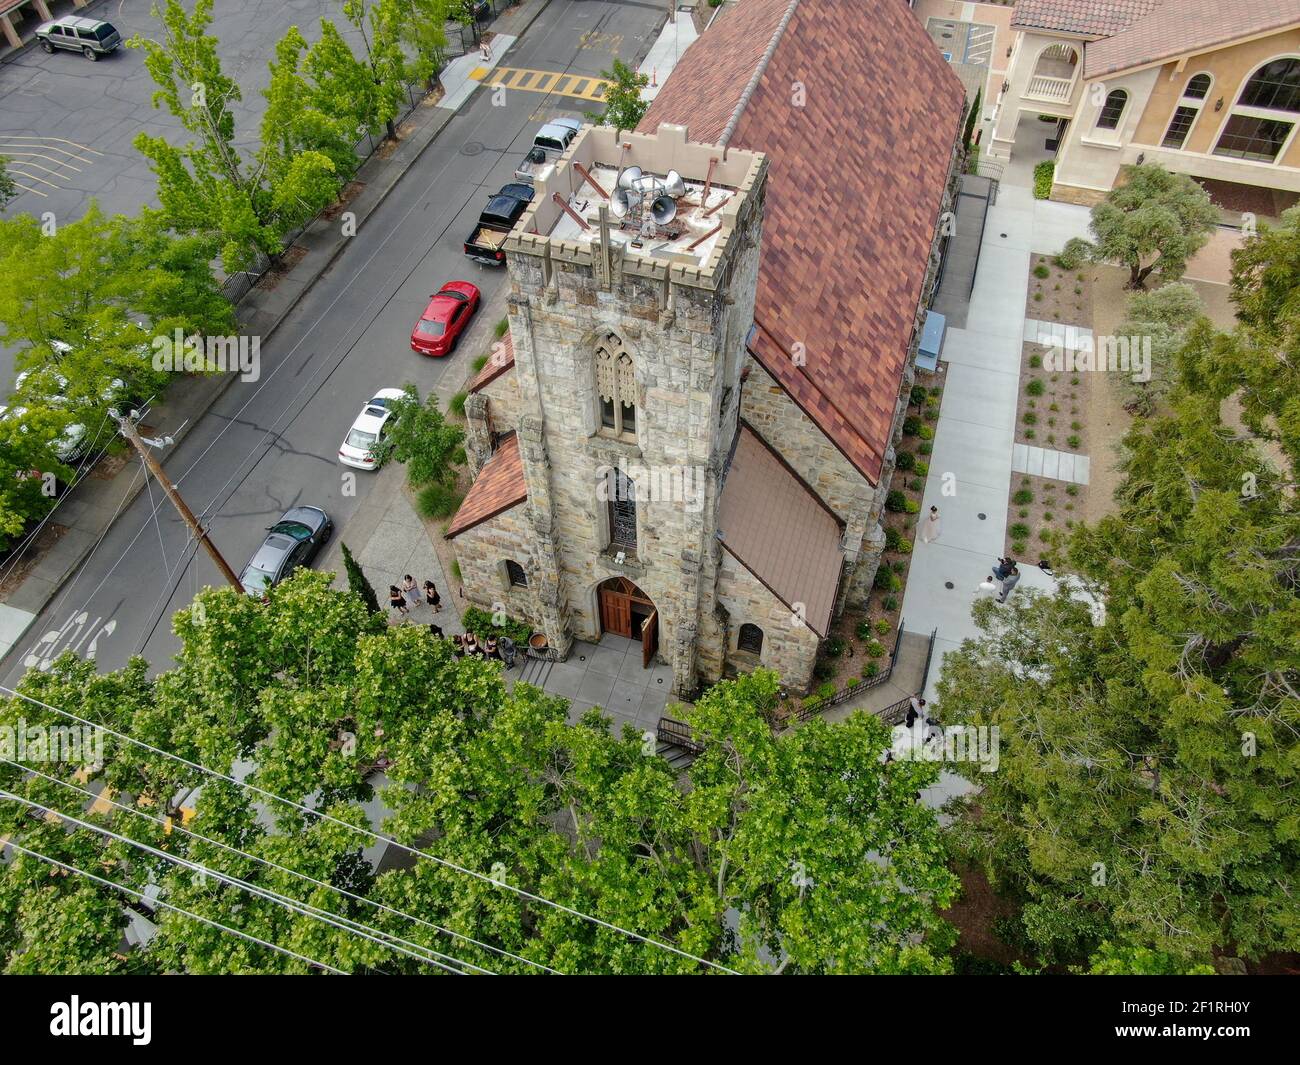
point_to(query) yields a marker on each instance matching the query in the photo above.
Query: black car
(291, 542)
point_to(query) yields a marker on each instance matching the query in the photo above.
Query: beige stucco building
(1208, 88)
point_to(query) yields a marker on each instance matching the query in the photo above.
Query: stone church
(687, 435)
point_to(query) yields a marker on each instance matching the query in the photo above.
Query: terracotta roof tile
(498, 487)
(1087, 18)
(855, 182)
(778, 529)
(501, 360)
(1178, 27)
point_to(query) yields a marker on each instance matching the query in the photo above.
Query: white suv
(367, 431)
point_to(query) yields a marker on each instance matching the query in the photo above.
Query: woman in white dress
(930, 527)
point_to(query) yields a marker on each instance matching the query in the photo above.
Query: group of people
(1005, 576)
(469, 644)
(407, 595)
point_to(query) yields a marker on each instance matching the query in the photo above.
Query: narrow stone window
(515, 574)
(616, 387)
(750, 639)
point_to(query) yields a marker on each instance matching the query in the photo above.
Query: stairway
(677, 757)
(535, 671)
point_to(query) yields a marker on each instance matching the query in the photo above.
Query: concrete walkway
(677, 35)
(975, 433)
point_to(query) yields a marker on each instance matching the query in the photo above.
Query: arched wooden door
(625, 610)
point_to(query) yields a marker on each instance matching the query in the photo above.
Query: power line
(302, 908)
(167, 905)
(378, 837)
(274, 865)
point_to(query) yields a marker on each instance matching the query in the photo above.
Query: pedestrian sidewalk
(677, 35)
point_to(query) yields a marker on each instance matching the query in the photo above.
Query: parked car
(443, 321)
(548, 145)
(367, 432)
(293, 541)
(496, 222)
(70, 445)
(89, 36)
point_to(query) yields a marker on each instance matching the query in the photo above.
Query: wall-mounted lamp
(1218, 104)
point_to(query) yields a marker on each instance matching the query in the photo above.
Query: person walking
(485, 50)
(930, 527)
(432, 597)
(987, 586)
(396, 601)
(410, 590)
(1009, 582)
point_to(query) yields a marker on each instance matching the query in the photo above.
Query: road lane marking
(576, 86)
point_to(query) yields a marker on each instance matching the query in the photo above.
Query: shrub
(457, 404)
(895, 500)
(905, 460)
(890, 603)
(892, 538)
(872, 669)
(1035, 361)
(916, 484)
(883, 580)
(883, 627)
(911, 425)
(1035, 388)
(825, 691)
(1074, 253)
(437, 501)
(1030, 418)
(1029, 434)
(898, 566)
(1038, 297)
(932, 412)
(824, 669)
(835, 646)
(917, 396)
(1019, 530)
(455, 569)
(1043, 175)
(1041, 271)
(863, 630)
(479, 363)
(925, 433)
(912, 507)
(1076, 426)
(811, 702)
(924, 447)
(1071, 489)
(502, 328)
(480, 623)
(905, 546)
(922, 468)
(875, 649)
(1047, 515)
(1019, 547)
(852, 682)
(1073, 441)
(1023, 497)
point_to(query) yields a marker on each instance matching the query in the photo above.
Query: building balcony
(1050, 89)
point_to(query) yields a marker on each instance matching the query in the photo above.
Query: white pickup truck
(549, 144)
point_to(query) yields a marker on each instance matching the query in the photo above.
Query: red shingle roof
(501, 360)
(1087, 18)
(855, 182)
(778, 529)
(1178, 27)
(498, 487)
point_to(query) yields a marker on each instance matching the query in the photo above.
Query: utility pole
(128, 430)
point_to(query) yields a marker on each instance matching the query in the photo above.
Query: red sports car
(448, 313)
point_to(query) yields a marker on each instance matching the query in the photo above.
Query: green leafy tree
(1153, 223)
(1120, 960)
(209, 187)
(358, 584)
(1162, 318)
(8, 190)
(382, 24)
(799, 852)
(624, 107)
(972, 117)
(420, 437)
(27, 459)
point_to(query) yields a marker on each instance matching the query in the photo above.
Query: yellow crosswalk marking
(577, 86)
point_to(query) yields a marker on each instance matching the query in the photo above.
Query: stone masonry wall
(789, 648)
(482, 552)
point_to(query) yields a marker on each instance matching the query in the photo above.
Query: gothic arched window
(750, 639)
(616, 388)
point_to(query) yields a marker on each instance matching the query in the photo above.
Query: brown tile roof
(501, 360)
(498, 487)
(1179, 27)
(855, 182)
(1087, 18)
(779, 530)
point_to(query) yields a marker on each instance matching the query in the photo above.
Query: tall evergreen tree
(357, 581)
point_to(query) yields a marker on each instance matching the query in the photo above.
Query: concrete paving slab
(1034, 467)
(981, 396)
(1065, 466)
(625, 698)
(987, 351)
(1019, 457)
(1051, 461)
(1081, 465)
(595, 688)
(971, 453)
(14, 624)
(565, 680)
(605, 661)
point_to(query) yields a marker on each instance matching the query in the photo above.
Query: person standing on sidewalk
(410, 590)
(396, 601)
(1009, 582)
(432, 597)
(930, 527)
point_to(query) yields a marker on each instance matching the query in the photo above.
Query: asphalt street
(272, 444)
